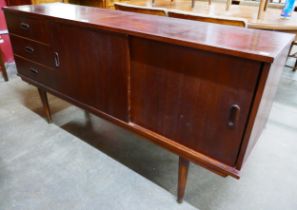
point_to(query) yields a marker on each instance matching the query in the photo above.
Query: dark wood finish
(33, 51)
(166, 99)
(45, 105)
(183, 168)
(191, 87)
(100, 78)
(139, 9)
(2, 67)
(30, 27)
(257, 45)
(38, 72)
(210, 19)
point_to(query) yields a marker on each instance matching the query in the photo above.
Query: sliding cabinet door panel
(93, 67)
(196, 98)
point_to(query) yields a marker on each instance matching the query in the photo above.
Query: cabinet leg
(183, 169)
(46, 108)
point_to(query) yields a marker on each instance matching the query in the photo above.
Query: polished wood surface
(214, 95)
(193, 88)
(33, 50)
(100, 78)
(251, 44)
(31, 27)
(139, 9)
(210, 19)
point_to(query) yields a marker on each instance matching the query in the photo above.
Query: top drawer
(28, 27)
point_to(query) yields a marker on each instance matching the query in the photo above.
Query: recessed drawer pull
(34, 71)
(234, 116)
(29, 49)
(57, 59)
(24, 26)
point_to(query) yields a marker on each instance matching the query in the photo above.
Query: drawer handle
(234, 116)
(34, 71)
(29, 49)
(24, 26)
(57, 59)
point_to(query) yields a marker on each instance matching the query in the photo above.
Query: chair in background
(210, 19)
(193, 3)
(140, 9)
(2, 65)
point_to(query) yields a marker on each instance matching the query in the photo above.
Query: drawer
(33, 50)
(28, 27)
(36, 72)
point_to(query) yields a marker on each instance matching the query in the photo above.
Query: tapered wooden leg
(46, 108)
(2, 67)
(182, 178)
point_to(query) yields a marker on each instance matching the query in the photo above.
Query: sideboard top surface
(252, 44)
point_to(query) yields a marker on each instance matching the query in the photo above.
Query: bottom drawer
(34, 71)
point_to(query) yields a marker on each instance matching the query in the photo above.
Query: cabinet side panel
(262, 104)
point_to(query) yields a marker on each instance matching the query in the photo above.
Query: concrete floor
(57, 166)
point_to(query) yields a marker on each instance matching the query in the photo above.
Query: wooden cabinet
(201, 90)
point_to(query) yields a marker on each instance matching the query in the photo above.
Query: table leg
(183, 169)
(45, 104)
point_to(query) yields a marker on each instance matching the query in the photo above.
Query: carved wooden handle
(234, 116)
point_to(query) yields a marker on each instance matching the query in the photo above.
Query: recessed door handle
(24, 26)
(34, 70)
(57, 59)
(29, 49)
(234, 116)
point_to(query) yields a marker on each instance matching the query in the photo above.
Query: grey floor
(83, 162)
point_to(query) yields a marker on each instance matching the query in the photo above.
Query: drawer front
(31, 50)
(28, 27)
(36, 72)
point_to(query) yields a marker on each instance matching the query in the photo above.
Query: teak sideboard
(203, 91)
